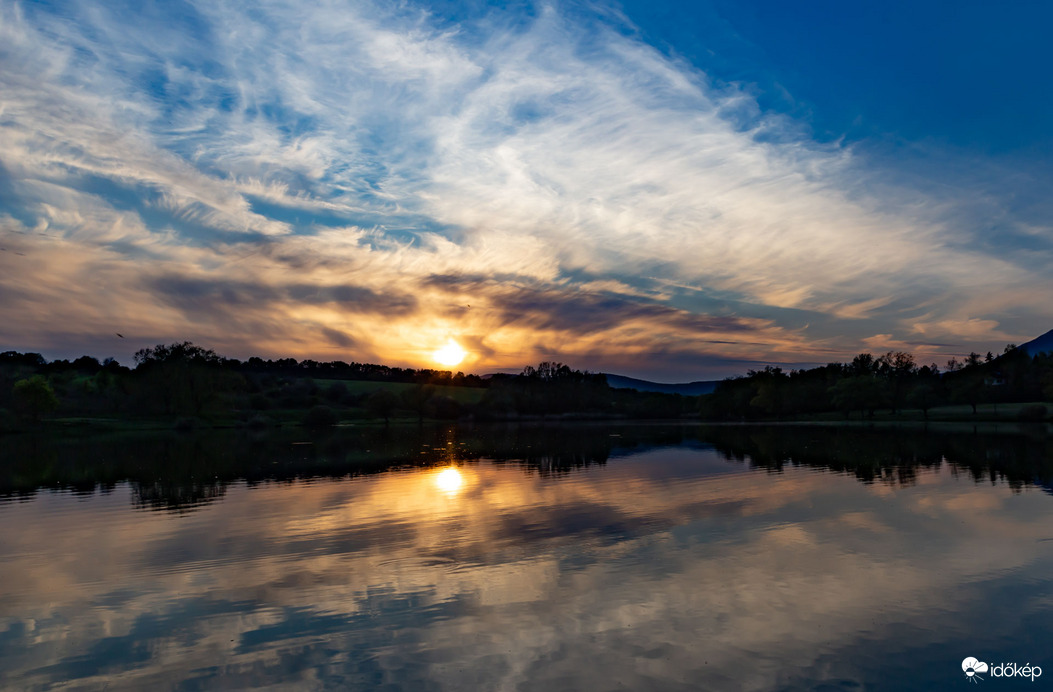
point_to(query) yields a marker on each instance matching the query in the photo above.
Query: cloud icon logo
(973, 668)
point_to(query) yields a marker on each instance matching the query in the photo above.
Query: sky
(662, 191)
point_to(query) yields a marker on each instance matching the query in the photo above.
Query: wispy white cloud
(381, 140)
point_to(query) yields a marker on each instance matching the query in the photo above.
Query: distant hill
(1039, 344)
(686, 388)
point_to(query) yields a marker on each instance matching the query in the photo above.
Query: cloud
(548, 307)
(338, 338)
(207, 153)
(518, 578)
(197, 295)
(963, 328)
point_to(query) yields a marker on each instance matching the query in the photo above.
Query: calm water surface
(577, 558)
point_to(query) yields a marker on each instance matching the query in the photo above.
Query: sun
(449, 355)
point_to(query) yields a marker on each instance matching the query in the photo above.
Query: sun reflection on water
(449, 480)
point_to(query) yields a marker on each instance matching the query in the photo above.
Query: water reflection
(181, 472)
(449, 480)
(730, 558)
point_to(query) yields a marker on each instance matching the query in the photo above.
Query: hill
(685, 388)
(1041, 344)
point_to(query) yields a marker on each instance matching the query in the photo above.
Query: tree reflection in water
(179, 472)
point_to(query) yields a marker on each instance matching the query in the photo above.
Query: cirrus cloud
(615, 199)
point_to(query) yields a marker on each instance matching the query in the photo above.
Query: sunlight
(449, 480)
(449, 355)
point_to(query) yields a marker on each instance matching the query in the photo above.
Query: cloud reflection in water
(667, 568)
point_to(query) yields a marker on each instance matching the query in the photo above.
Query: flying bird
(119, 334)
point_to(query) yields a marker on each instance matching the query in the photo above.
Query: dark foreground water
(574, 558)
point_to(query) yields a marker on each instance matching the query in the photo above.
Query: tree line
(893, 381)
(185, 381)
(189, 382)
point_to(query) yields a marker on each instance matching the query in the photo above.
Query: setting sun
(449, 355)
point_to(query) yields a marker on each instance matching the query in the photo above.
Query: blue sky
(669, 191)
(963, 74)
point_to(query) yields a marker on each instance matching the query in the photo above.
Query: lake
(573, 557)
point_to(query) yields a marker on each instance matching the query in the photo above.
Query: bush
(337, 393)
(300, 393)
(33, 397)
(381, 403)
(259, 402)
(1032, 412)
(443, 407)
(260, 421)
(319, 417)
(185, 424)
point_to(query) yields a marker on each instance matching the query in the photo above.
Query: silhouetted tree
(768, 385)
(381, 404)
(33, 397)
(337, 393)
(443, 407)
(863, 364)
(416, 399)
(320, 417)
(858, 393)
(922, 396)
(550, 388)
(181, 378)
(896, 369)
(968, 388)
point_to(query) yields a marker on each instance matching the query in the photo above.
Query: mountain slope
(1039, 344)
(686, 388)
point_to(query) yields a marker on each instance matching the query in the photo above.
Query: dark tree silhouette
(320, 417)
(416, 399)
(181, 378)
(922, 396)
(381, 404)
(968, 388)
(33, 397)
